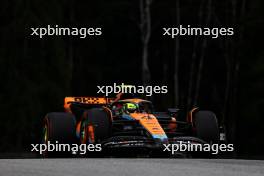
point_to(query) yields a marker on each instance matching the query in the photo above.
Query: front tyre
(95, 128)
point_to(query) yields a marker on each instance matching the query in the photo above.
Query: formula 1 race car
(127, 122)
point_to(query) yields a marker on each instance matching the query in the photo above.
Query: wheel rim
(45, 134)
(83, 134)
(45, 138)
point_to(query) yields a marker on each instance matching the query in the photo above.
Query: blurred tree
(145, 26)
(177, 57)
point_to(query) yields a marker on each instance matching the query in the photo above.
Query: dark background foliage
(36, 74)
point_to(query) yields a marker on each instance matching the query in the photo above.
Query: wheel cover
(87, 134)
(91, 134)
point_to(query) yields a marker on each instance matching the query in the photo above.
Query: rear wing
(86, 100)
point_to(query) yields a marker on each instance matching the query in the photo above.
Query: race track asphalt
(135, 167)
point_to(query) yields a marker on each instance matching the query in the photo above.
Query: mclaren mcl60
(124, 123)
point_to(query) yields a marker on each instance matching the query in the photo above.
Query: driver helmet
(130, 108)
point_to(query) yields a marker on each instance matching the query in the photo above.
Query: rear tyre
(207, 126)
(58, 127)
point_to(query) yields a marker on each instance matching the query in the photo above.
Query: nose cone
(151, 124)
